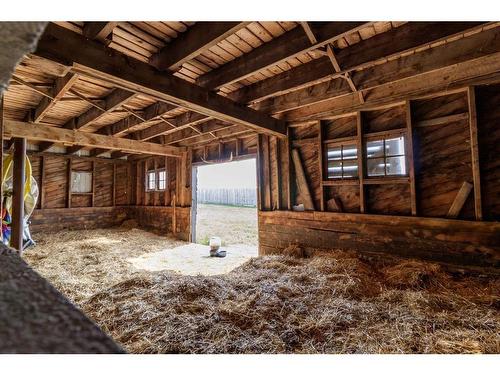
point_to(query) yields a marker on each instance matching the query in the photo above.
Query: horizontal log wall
(474, 244)
(443, 153)
(57, 219)
(161, 220)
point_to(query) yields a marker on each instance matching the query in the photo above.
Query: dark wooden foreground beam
(94, 59)
(198, 38)
(16, 239)
(290, 44)
(98, 30)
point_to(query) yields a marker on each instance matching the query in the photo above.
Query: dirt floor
(234, 225)
(335, 303)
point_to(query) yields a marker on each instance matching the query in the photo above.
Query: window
(342, 161)
(162, 180)
(151, 180)
(81, 182)
(386, 157)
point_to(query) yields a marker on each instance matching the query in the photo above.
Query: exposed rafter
(191, 43)
(382, 46)
(94, 59)
(475, 46)
(98, 30)
(46, 133)
(61, 87)
(292, 43)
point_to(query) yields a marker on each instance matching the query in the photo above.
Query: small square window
(162, 180)
(151, 180)
(342, 161)
(386, 157)
(81, 182)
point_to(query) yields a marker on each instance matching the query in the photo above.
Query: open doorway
(225, 206)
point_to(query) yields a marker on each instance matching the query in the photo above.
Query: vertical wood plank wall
(450, 138)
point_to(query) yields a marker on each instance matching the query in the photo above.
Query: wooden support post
(260, 188)
(290, 171)
(302, 185)
(18, 194)
(459, 200)
(1, 160)
(68, 186)
(474, 147)
(361, 170)
(267, 179)
(114, 184)
(321, 167)
(42, 182)
(137, 183)
(166, 192)
(277, 166)
(410, 159)
(174, 214)
(155, 194)
(93, 183)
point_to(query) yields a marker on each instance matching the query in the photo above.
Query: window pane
(81, 182)
(161, 180)
(395, 146)
(375, 167)
(374, 149)
(334, 169)
(350, 168)
(334, 153)
(151, 180)
(396, 165)
(349, 152)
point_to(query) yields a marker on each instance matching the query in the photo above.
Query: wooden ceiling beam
(183, 121)
(98, 30)
(98, 152)
(292, 43)
(229, 131)
(450, 79)
(60, 88)
(152, 112)
(476, 46)
(382, 46)
(72, 150)
(198, 38)
(186, 134)
(47, 133)
(96, 60)
(116, 99)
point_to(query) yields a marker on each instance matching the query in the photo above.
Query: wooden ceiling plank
(94, 59)
(198, 38)
(394, 42)
(477, 46)
(46, 133)
(286, 46)
(183, 121)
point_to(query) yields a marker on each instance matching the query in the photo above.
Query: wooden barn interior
(378, 181)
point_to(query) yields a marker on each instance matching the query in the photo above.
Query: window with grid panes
(162, 179)
(151, 180)
(386, 157)
(342, 161)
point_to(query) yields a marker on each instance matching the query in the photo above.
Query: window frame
(158, 188)
(74, 172)
(147, 180)
(341, 160)
(385, 138)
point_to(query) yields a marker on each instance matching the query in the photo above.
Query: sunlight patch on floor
(194, 259)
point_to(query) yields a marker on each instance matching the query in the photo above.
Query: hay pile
(81, 263)
(324, 304)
